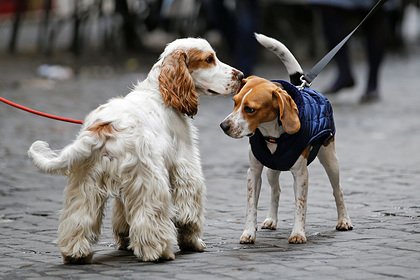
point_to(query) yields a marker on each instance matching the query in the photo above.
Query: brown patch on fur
(306, 152)
(102, 129)
(328, 141)
(301, 202)
(197, 59)
(176, 84)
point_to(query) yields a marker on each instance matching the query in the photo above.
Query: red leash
(39, 113)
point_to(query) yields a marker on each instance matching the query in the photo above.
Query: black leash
(313, 73)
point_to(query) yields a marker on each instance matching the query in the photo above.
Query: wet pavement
(377, 145)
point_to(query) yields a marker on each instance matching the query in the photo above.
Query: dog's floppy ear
(289, 113)
(244, 81)
(176, 84)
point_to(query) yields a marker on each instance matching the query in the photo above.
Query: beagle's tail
(292, 65)
(61, 162)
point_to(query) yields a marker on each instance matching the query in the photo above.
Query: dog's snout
(225, 126)
(238, 75)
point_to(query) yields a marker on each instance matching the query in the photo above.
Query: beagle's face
(260, 101)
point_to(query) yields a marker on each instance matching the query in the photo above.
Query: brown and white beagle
(267, 107)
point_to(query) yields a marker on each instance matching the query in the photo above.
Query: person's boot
(339, 84)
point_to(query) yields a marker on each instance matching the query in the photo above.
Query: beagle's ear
(289, 113)
(176, 84)
(250, 77)
(244, 81)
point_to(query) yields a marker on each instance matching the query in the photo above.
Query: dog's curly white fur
(142, 150)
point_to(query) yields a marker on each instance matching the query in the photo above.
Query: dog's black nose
(225, 126)
(238, 74)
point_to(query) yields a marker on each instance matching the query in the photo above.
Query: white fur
(148, 160)
(279, 49)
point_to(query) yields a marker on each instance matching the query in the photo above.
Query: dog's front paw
(297, 238)
(200, 245)
(196, 245)
(168, 255)
(344, 224)
(77, 260)
(269, 223)
(122, 242)
(248, 237)
(151, 253)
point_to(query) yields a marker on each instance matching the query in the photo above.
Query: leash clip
(304, 84)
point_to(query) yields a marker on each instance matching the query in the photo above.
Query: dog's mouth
(213, 92)
(239, 136)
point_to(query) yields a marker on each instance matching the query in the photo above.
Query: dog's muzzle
(225, 127)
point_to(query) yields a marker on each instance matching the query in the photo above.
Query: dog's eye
(210, 59)
(249, 110)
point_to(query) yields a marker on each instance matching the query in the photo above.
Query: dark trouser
(336, 27)
(238, 29)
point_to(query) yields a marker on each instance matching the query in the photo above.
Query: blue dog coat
(317, 126)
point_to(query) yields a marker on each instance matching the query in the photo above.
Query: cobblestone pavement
(380, 168)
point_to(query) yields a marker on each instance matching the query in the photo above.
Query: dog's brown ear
(250, 77)
(289, 113)
(176, 84)
(244, 81)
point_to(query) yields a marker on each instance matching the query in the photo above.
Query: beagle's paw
(269, 223)
(344, 224)
(297, 238)
(248, 237)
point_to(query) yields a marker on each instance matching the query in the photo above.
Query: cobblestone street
(378, 148)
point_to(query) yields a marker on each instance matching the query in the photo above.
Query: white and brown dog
(288, 128)
(142, 150)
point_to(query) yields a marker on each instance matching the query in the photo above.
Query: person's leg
(222, 19)
(375, 47)
(334, 25)
(245, 48)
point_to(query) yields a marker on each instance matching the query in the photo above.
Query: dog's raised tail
(80, 150)
(292, 65)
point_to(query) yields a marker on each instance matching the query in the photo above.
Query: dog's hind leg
(120, 226)
(273, 180)
(81, 218)
(188, 191)
(149, 213)
(328, 158)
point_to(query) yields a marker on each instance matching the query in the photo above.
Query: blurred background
(100, 37)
